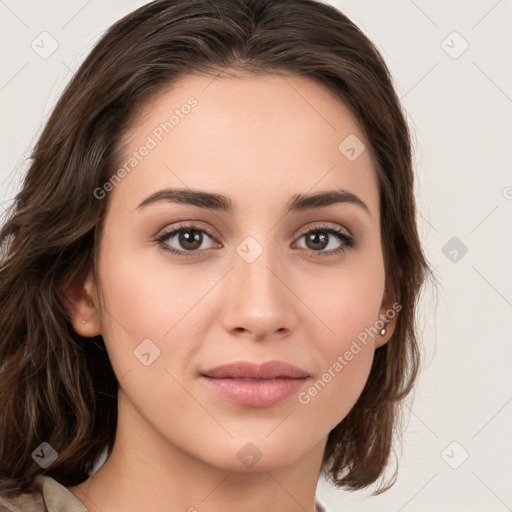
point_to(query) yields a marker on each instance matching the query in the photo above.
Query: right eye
(189, 236)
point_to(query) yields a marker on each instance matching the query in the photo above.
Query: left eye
(323, 237)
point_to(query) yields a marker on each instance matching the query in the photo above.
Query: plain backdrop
(450, 61)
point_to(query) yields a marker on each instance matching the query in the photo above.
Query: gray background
(459, 106)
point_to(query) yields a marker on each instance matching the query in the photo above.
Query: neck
(147, 472)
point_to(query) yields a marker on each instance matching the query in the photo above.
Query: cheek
(346, 303)
(153, 302)
(346, 351)
(145, 329)
(348, 309)
(334, 392)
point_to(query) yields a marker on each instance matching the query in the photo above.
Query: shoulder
(319, 508)
(27, 502)
(50, 496)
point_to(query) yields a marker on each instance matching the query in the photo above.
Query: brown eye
(190, 239)
(185, 240)
(319, 238)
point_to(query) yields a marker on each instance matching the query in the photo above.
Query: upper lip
(249, 370)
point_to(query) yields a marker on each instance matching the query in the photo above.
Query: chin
(256, 454)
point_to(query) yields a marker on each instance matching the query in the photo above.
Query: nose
(259, 303)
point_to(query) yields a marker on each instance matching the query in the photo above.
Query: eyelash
(348, 241)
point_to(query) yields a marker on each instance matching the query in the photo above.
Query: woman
(211, 270)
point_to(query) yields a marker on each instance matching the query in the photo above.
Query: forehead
(267, 135)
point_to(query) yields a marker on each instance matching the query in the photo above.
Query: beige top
(53, 497)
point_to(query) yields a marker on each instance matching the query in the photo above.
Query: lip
(249, 370)
(255, 385)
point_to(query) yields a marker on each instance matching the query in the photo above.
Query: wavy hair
(60, 388)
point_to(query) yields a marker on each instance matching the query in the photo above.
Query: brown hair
(58, 387)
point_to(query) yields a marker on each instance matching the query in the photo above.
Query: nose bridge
(258, 299)
(253, 267)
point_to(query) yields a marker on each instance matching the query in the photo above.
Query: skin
(258, 139)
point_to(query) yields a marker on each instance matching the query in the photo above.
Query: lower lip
(255, 393)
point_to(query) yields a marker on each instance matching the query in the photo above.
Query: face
(189, 284)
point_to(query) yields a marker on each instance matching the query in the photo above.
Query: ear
(388, 314)
(79, 296)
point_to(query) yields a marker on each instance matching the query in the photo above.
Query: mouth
(255, 385)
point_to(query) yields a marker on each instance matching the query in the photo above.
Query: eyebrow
(219, 202)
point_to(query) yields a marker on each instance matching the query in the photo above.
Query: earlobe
(386, 324)
(386, 331)
(81, 301)
(387, 319)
